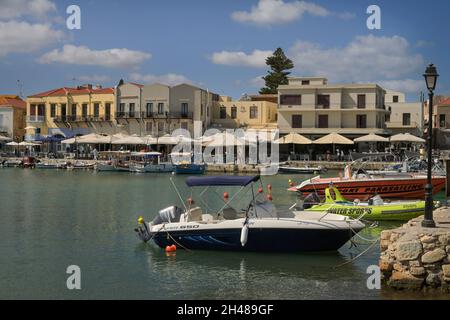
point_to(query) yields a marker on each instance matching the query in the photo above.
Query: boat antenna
(178, 193)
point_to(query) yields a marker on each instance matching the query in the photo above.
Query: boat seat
(194, 214)
(229, 213)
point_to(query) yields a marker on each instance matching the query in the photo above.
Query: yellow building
(244, 114)
(71, 111)
(12, 117)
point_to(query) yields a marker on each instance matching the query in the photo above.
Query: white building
(405, 117)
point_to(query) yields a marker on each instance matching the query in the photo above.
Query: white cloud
(97, 79)
(366, 58)
(23, 37)
(405, 85)
(11, 9)
(257, 82)
(256, 59)
(270, 12)
(170, 79)
(82, 55)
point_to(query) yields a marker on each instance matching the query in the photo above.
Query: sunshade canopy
(3, 138)
(333, 138)
(294, 138)
(224, 139)
(134, 140)
(221, 181)
(406, 137)
(372, 137)
(12, 143)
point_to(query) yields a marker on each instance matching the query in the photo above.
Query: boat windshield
(241, 181)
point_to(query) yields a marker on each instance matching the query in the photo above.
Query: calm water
(52, 219)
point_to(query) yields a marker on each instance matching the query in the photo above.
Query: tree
(278, 63)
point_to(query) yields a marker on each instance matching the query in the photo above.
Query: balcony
(35, 118)
(85, 118)
(181, 115)
(127, 115)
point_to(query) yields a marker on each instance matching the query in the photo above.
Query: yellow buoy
(140, 220)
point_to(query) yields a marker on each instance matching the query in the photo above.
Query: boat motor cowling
(168, 215)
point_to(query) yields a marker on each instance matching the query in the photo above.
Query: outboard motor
(167, 215)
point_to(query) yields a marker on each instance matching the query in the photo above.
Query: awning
(406, 137)
(333, 138)
(3, 138)
(293, 138)
(221, 181)
(372, 137)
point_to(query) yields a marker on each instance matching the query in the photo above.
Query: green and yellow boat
(375, 209)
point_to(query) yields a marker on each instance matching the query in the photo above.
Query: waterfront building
(404, 117)
(312, 107)
(71, 111)
(441, 123)
(245, 113)
(12, 117)
(159, 109)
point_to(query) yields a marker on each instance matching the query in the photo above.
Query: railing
(35, 118)
(92, 118)
(147, 115)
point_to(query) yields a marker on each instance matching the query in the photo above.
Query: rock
(398, 267)
(429, 246)
(433, 280)
(447, 249)
(409, 250)
(384, 244)
(414, 263)
(446, 270)
(404, 280)
(417, 271)
(427, 239)
(385, 265)
(385, 234)
(434, 256)
(444, 239)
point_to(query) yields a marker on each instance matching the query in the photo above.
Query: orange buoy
(269, 187)
(269, 197)
(190, 201)
(225, 196)
(171, 248)
(260, 190)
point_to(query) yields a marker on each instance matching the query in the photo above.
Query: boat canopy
(221, 181)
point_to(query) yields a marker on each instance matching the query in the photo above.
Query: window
(296, 121)
(323, 100)
(233, 112)
(201, 110)
(361, 101)
(184, 109)
(407, 119)
(149, 127)
(305, 82)
(149, 109)
(442, 123)
(53, 110)
(361, 121)
(96, 110)
(84, 110)
(223, 112)
(74, 110)
(253, 112)
(131, 110)
(32, 109)
(395, 99)
(122, 107)
(323, 121)
(63, 111)
(160, 108)
(108, 111)
(291, 99)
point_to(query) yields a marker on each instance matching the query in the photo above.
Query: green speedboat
(375, 209)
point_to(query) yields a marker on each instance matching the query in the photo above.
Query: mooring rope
(359, 255)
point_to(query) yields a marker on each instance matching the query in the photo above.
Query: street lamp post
(430, 76)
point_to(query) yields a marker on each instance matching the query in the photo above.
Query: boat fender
(244, 234)
(171, 248)
(260, 190)
(269, 197)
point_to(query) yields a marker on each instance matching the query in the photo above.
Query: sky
(221, 45)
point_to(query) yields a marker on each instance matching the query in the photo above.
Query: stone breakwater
(417, 258)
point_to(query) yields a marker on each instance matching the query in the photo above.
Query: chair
(195, 214)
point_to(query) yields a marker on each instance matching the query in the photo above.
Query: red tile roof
(73, 91)
(445, 102)
(13, 101)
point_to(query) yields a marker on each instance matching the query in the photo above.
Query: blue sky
(220, 45)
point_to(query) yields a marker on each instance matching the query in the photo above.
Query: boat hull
(386, 212)
(364, 188)
(299, 170)
(190, 168)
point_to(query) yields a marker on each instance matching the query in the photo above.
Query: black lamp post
(431, 76)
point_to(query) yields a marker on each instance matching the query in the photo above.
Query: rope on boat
(178, 242)
(359, 255)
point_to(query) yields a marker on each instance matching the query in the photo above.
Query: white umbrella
(3, 138)
(168, 139)
(225, 140)
(406, 137)
(333, 138)
(133, 140)
(12, 143)
(68, 141)
(371, 138)
(30, 128)
(293, 138)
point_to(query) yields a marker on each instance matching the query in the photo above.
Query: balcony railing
(35, 118)
(92, 118)
(150, 115)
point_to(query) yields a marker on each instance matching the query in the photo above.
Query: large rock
(446, 270)
(405, 280)
(427, 239)
(417, 271)
(409, 250)
(433, 280)
(434, 256)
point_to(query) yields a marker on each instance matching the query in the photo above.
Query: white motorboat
(150, 162)
(257, 227)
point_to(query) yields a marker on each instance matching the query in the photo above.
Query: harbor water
(51, 219)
